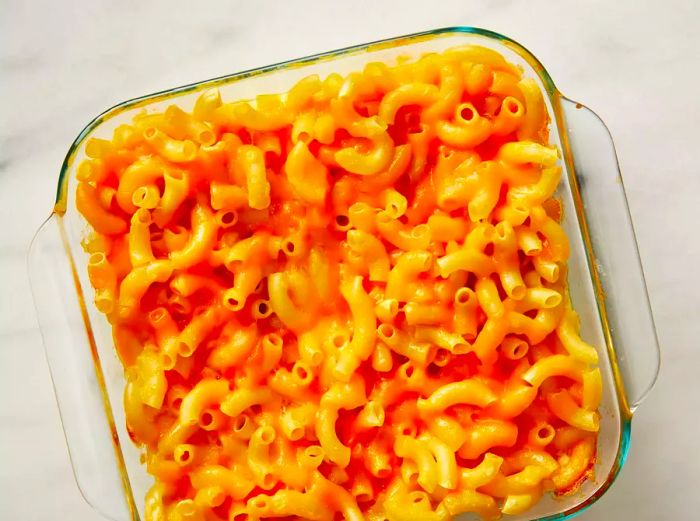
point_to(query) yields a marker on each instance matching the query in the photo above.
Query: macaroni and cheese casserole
(346, 301)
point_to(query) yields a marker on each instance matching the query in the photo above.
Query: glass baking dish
(605, 276)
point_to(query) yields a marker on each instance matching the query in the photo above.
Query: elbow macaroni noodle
(345, 301)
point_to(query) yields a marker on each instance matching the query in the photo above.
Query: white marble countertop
(634, 62)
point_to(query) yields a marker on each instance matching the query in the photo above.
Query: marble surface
(634, 62)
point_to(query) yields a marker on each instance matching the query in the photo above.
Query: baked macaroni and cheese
(347, 301)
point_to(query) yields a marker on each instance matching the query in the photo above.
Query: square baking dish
(605, 277)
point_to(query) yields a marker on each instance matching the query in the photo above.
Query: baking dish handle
(75, 372)
(613, 255)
